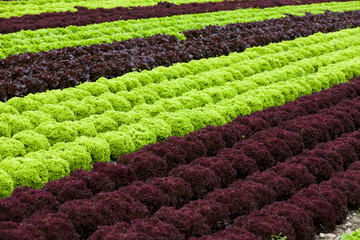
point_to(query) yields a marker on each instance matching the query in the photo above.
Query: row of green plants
(19, 8)
(352, 236)
(43, 142)
(72, 36)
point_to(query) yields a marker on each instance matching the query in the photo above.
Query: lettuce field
(184, 119)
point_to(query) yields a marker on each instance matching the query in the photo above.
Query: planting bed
(181, 120)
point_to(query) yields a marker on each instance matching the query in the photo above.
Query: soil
(351, 223)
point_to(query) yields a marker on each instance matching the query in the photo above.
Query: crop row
(315, 207)
(20, 8)
(38, 72)
(86, 16)
(72, 36)
(57, 138)
(202, 176)
(353, 236)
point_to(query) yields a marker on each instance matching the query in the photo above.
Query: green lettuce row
(26, 166)
(72, 36)
(19, 8)
(352, 236)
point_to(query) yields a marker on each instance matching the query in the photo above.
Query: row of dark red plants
(84, 16)
(310, 210)
(57, 69)
(180, 171)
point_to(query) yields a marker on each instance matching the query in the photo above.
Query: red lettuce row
(57, 69)
(163, 195)
(218, 208)
(318, 207)
(84, 16)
